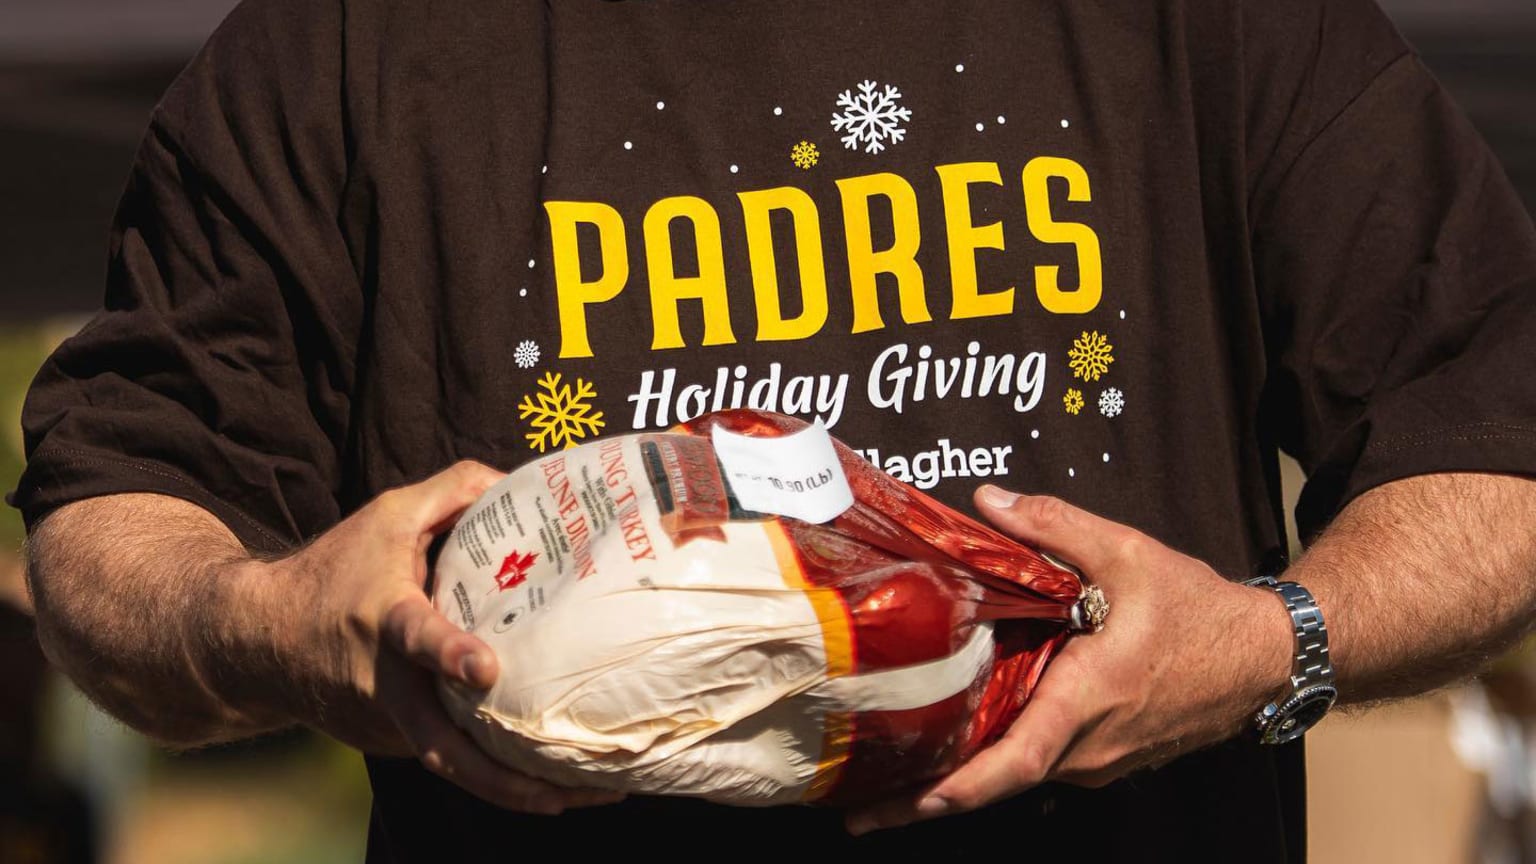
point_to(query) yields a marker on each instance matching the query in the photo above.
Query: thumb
(1052, 525)
(416, 630)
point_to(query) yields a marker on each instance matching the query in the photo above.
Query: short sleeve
(1396, 269)
(220, 366)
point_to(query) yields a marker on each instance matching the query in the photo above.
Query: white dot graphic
(1034, 433)
(979, 127)
(1065, 124)
(530, 263)
(544, 170)
(734, 169)
(629, 145)
(522, 292)
(777, 111)
(1001, 119)
(1071, 472)
(660, 105)
(1106, 457)
(959, 67)
(1122, 314)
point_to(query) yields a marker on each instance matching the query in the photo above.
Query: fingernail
(860, 825)
(932, 806)
(996, 497)
(468, 667)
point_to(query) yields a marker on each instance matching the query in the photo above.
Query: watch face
(1293, 717)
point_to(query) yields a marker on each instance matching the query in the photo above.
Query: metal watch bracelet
(1311, 692)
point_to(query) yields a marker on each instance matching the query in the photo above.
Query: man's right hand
(364, 646)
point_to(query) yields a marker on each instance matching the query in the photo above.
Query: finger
(894, 812)
(1021, 759)
(1052, 525)
(446, 751)
(434, 503)
(380, 737)
(412, 627)
(416, 514)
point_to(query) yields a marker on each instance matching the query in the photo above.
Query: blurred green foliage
(310, 790)
(293, 798)
(22, 350)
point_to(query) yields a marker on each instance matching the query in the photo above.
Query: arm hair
(1425, 581)
(138, 602)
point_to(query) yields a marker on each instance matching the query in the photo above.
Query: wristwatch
(1310, 691)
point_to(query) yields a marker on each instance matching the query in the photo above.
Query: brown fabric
(341, 258)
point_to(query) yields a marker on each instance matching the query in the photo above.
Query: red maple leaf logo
(514, 570)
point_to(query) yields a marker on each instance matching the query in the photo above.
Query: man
(1115, 253)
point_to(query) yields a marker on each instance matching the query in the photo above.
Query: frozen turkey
(744, 610)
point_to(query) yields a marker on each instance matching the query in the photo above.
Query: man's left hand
(1185, 660)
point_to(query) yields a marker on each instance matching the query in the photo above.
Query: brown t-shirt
(1116, 252)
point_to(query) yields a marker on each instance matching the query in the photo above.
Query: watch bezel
(1285, 721)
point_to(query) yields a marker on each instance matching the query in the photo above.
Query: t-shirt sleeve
(220, 366)
(1396, 266)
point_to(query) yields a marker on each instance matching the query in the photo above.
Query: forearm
(1424, 580)
(147, 603)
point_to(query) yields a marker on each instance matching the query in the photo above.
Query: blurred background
(1447, 778)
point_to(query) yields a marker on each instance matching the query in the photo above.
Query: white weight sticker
(795, 475)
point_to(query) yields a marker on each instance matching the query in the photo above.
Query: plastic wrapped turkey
(744, 610)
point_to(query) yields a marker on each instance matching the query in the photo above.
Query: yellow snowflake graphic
(1090, 356)
(1073, 401)
(804, 155)
(562, 415)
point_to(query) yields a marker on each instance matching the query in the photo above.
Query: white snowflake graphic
(1111, 402)
(526, 354)
(871, 118)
